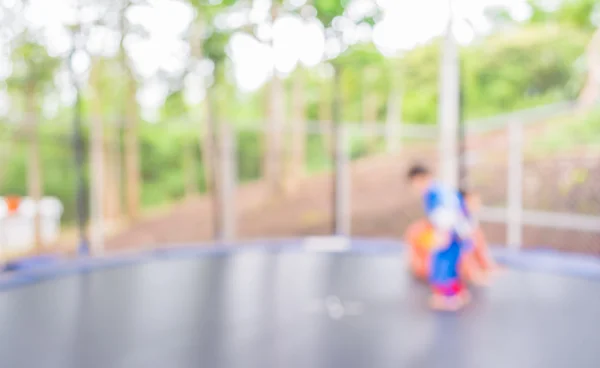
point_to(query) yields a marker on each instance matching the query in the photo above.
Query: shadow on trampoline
(283, 306)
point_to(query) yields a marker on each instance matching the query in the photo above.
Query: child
(451, 236)
(476, 265)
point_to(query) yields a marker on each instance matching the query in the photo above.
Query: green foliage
(58, 166)
(361, 56)
(215, 46)
(515, 69)
(208, 9)
(572, 13)
(570, 133)
(523, 68)
(364, 72)
(175, 106)
(512, 70)
(421, 86)
(108, 80)
(33, 69)
(327, 10)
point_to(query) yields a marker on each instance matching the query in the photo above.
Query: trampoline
(283, 306)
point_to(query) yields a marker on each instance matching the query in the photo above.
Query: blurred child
(448, 240)
(476, 264)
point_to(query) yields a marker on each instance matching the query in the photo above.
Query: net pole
(449, 106)
(3, 240)
(80, 185)
(462, 132)
(213, 184)
(336, 118)
(228, 182)
(342, 180)
(97, 188)
(515, 185)
(83, 248)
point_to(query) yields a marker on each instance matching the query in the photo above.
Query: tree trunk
(132, 161)
(211, 157)
(34, 167)
(298, 127)
(274, 153)
(273, 167)
(110, 146)
(131, 144)
(590, 94)
(98, 163)
(325, 114)
(113, 177)
(6, 147)
(205, 141)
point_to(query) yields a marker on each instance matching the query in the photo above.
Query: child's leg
(481, 252)
(471, 271)
(449, 293)
(419, 264)
(450, 297)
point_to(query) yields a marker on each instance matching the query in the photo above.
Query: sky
(404, 25)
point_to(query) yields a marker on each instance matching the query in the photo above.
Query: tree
(365, 68)
(176, 109)
(106, 91)
(209, 43)
(572, 13)
(33, 76)
(111, 91)
(131, 111)
(584, 15)
(298, 97)
(274, 153)
(327, 12)
(297, 155)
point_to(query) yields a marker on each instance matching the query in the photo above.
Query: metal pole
(463, 173)
(393, 120)
(342, 182)
(97, 187)
(514, 211)
(448, 113)
(462, 133)
(212, 124)
(83, 248)
(79, 163)
(3, 241)
(228, 182)
(336, 118)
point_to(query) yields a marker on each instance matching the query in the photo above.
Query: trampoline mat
(294, 310)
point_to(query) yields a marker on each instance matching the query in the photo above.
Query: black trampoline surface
(294, 310)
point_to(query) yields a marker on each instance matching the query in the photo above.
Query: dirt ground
(382, 206)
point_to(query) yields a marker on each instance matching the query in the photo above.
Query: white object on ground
(17, 229)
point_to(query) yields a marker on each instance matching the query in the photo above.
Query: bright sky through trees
(404, 24)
